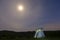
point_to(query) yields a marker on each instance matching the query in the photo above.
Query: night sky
(36, 14)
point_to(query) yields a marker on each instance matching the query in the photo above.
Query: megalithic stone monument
(39, 34)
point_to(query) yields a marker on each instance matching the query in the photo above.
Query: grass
(9, 35)
(25, 38)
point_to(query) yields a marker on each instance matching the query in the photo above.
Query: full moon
(20, 8)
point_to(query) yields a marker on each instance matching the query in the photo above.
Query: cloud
(52, 26)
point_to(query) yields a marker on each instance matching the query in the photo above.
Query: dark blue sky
(36, 14)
